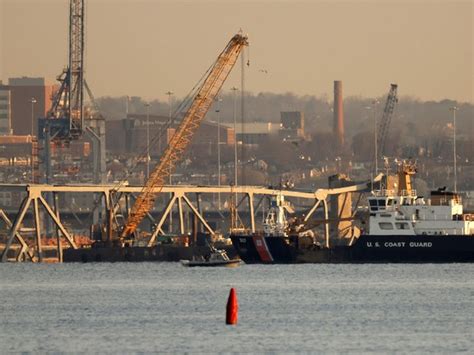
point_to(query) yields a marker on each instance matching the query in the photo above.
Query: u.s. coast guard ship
(402, 228)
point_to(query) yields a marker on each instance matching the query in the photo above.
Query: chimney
(338, 128)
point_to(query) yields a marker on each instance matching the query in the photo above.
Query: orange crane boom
(182, 137)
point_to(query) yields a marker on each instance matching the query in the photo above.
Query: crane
(386, 119)
(198, 108)
(65, 119)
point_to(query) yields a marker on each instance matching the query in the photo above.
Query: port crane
(66, 120)
(200, 104)
(384, 125)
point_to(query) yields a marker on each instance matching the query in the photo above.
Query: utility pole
(170, 93)
(454, 109)
(33, 101)
(218, 111)
(234, 90)
(374, 105)
(242, 118)
(147, 105)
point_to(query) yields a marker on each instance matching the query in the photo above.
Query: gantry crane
(386, 119)
(198, 108)
(66, 120)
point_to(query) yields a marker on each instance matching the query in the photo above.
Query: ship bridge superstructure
(408, 214)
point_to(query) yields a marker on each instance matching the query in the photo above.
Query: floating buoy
(232, 308)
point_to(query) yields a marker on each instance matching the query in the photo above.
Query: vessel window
(382, 203)
(390, 202)
(386, 225)
(373, 203)
(402, 225)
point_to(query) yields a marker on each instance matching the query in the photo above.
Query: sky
(148, 47)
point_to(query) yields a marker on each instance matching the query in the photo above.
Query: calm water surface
(149, 307)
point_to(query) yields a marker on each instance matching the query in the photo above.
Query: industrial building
(130, 134)
(292, 126)
(5, 112)
(255, 132)
(29, 98)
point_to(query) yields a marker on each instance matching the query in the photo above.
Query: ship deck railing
(402, 193)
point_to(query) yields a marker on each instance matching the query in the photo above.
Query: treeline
(418, 127)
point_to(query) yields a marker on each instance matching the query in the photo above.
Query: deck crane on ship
(384, 126)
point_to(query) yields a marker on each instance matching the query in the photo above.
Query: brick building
(22, 91)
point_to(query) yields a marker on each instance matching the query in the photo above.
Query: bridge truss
(251, 201)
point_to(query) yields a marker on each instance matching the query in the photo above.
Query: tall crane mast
(65, 119)
(76, 66)
(69, 117)
(198, 108)
(386, 119)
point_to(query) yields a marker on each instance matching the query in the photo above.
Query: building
(292, 126)
(17, 158)
(255, 132)
(30, 98)
(5, 112)
(129, 135)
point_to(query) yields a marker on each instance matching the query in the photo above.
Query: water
(149, 307)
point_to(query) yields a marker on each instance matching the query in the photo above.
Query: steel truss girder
(35, 194)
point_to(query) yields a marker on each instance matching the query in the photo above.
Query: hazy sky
(147, 47)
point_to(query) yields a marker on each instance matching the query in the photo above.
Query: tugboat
(403, 228)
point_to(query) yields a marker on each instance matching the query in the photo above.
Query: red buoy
(232, 308)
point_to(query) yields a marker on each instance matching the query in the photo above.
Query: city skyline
(142, 48)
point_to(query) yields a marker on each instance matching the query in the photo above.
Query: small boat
(216, 257)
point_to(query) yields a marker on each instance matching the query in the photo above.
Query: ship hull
(164, 252)
(366, 249)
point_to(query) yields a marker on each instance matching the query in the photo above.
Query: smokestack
(338, 128)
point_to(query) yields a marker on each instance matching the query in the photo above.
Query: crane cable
(171, 121)
(185, 131)
(184, 105)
